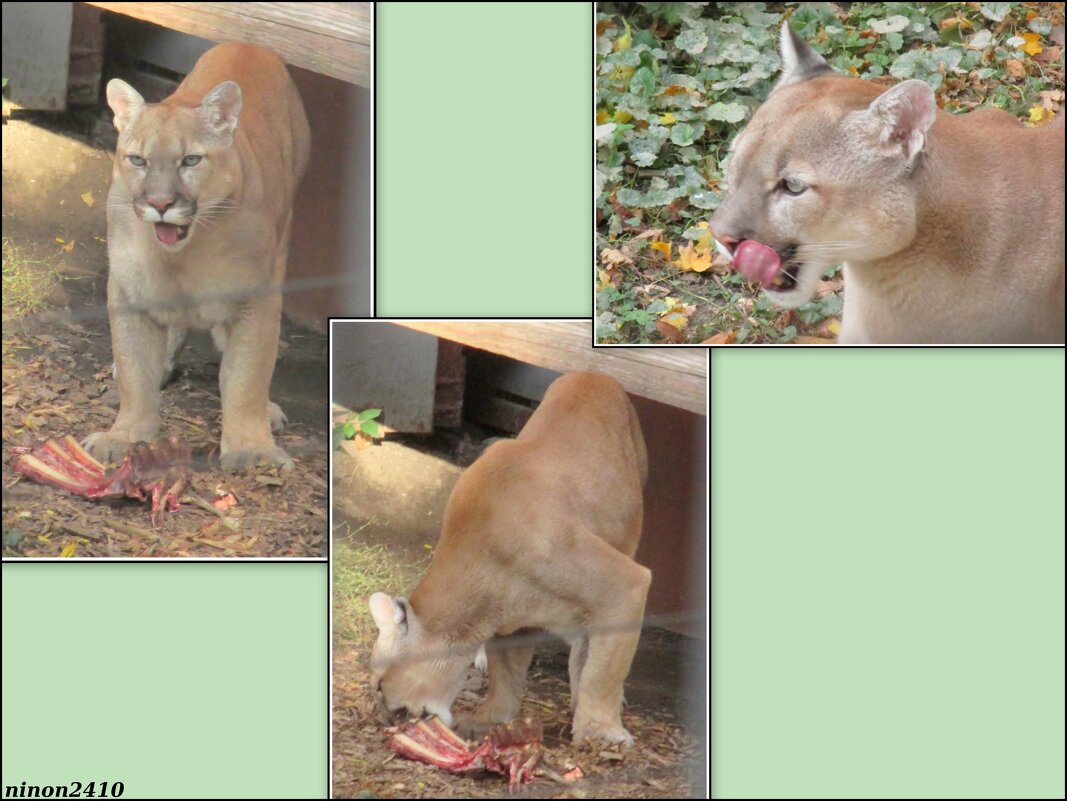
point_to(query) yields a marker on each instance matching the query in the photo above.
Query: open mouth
(761, 264)
(171, 234)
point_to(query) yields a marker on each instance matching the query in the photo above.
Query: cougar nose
(159, 203)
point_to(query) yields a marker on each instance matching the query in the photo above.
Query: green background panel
(485, 170)
(887, 573)
(181, 680)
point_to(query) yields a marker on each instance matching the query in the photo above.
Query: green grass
(359, 571)
(28, 283)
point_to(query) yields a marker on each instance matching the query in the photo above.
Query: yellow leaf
(668, 119)
(69, 550)
(1032, 46)
(622, 117)
(692, 259)
(67, 248)
(87, 198)
(1040, 114)
(704, 242)
(601, 117)
(675, 318)
(662, 247)
(834, 327)
(626, 41)
(60, 240)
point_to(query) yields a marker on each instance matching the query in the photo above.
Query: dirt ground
(664, 691)
(57, 381)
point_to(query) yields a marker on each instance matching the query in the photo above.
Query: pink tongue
(757, 262)
(167, 233)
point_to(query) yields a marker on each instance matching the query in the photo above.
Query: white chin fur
(442, 712)
(807, 282)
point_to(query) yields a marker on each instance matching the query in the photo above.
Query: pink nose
(160, 204)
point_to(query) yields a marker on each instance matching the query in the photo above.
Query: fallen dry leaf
(613, 256)
(663, 248)
(722, 338)
(1033, 44)
(690, 258)
(87, 198)
(830, 287)
(1015, 68)
(829, 328)
(669, 332)
(651, 233)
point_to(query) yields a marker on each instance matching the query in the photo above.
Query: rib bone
(513, 749)
(156, 471)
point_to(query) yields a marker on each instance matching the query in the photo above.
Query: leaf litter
(51, 388)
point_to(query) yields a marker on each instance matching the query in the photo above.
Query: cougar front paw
(607, 733)
(111, 446)
(471, 726)
(246, 457)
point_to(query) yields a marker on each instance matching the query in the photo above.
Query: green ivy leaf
(726, 112)
(692, 41)
(994, 11)
(643, 82)
(682, 133)
(705, 199)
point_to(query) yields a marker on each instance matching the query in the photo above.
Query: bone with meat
(157, 471)
(513, 749)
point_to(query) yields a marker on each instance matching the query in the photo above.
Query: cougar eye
(136, 161)
(191, 161)
(792, 186)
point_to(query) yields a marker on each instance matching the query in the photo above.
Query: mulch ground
(57, 381)
(665, 761)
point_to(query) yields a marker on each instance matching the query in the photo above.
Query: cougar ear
(125, 101)
(799, 61)
(390, 614)
(903, 116)
(221, 106)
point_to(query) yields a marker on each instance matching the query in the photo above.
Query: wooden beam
(677, 376)
(329, 38)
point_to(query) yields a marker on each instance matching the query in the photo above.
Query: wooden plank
(677, 376)
(329, 38)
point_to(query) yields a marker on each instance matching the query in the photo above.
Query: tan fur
(253, 144)
(961, 242)
(538, 533)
